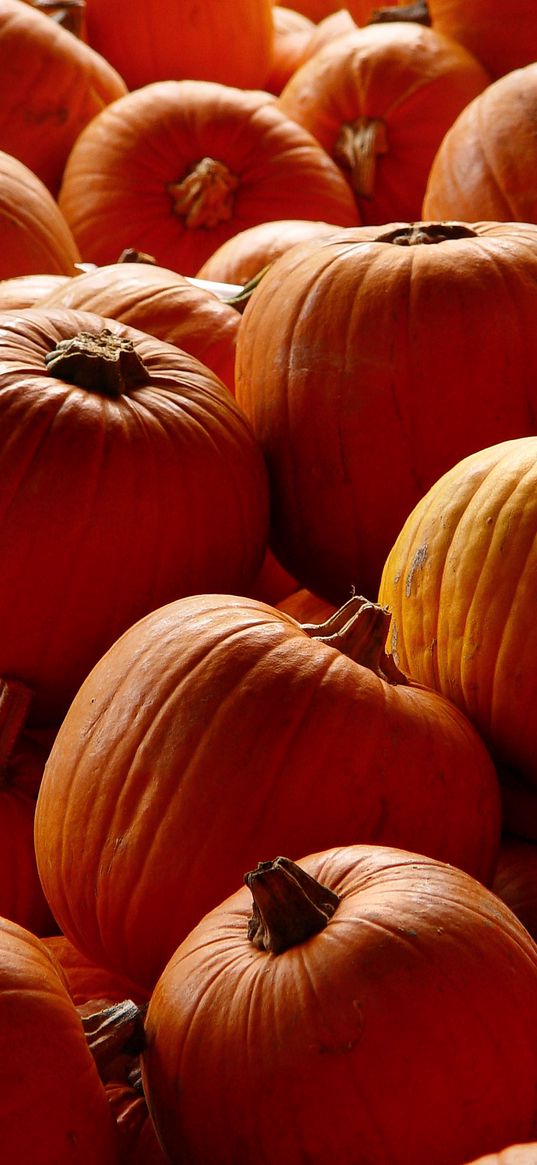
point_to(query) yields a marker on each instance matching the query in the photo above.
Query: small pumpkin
(218, 726)
(380, 100)
(292, 32)
(177, 167)
(459, 583)
(245, 256)
(362, 983)
(485, 166)
(129, 475)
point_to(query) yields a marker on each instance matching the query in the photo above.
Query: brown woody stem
(417, 13)
(359, 629)
(357, 147)
(112, 1031)
(15, 699)
(205, 196)
(289, 906)
(426, 233)
(103, 363)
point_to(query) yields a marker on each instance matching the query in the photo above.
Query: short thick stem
(100, 362)
(112, 1031)
(289, 906)
(419, 234)
(205, 196)
(356, 150)
(417, 13)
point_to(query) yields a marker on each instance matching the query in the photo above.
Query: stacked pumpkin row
(220, 506)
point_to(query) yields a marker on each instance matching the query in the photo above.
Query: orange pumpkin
(35, 237)
(221, 710)
(51, 85)
(292, 32)
(84, 979)
(502, 36)
(28, 290)
(246, 254)
(220, 40)
(524, 1154)
(363, 382)
(367, 983)
(132, 477)
(459, 583)
(162, 303)
(136, 1132)
(47, 1067)
(485, 166)
(379, 100)
(176, 168)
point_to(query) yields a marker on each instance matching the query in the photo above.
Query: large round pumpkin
(370, 1005)
(129, 477)
(35, 237)
(54, 1107)
(369, 363)
(51, 85)
(485, 166)
(177, 167)
(218, 728)
(502, 35)
(380, 100)
(219, 40)
(459, 582)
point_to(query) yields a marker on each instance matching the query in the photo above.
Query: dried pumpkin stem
(419, 234)
(289, 906)
(356, 150)
(15, 699)
(359, 629)
(204, 196)
(417, 13)
(101, 362)
(112, 1031)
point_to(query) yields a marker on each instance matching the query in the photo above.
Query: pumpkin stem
(359, 629)
(204, 197)
(426, 233)
(357, 147)
(289, 906)
(417, 13)
(103, 363)
(15, 699)
(242, 297)
(112, 1030)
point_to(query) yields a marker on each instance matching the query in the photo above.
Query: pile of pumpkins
(268, 546)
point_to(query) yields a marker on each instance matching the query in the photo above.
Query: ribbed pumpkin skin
(416, 1005)
(84, 979)
(410, 80)
(47, 1068)
(502, 36)
(459, 583)
(51, 86)
(116, 188)
(216, 730)
(35, 237)
(220, 40)
(27, 290)
(163, 303)
(363, 366)
(485, 166)
(113, 506)
(247, 253)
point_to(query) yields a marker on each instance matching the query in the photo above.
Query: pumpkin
(379, 100)
(363, 381)
(503, 37)
(369, 1004)
(515, 879)
(22, 759)
(176, 168)
(218, 726)
(306, 607)
(485, 166)
(35, 237)
(273, 582)
(292, 32)
(130, 477)
(229, 41)
(29, 290)
(47, 1067)
(245, 256)
(524, 1154)
(162, 303)
(459, 583)
(84, 979)
(52, 84)
(136, 1132)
